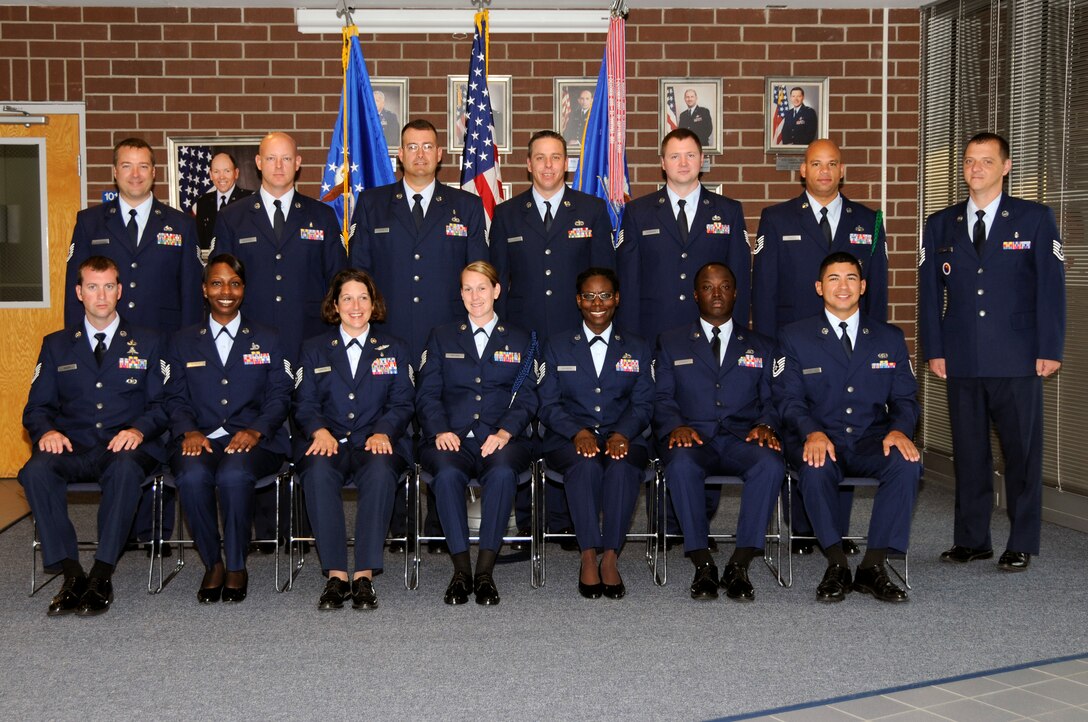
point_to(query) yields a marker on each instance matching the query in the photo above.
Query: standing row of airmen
(683, 260)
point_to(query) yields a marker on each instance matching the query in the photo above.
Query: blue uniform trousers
(1015, 405)
(686, 469)
(497, 474)
(375, 478)
(601, 485)
(234, 476)
(45, 478)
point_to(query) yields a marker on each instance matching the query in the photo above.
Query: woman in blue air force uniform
(475, 399)
(228, 400)
(353, 404)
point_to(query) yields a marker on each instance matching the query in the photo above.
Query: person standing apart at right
(992, 324)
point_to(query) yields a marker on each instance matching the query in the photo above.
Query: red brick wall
(159, 72)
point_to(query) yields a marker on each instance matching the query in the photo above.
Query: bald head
(278, 161)
(822, 170)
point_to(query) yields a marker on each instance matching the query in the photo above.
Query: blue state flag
(358, 154)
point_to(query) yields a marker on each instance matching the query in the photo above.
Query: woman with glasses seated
(229, 393)
(353, 405)
(475, 398)
(596, 399)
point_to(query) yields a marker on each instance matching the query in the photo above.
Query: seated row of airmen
(301, 357)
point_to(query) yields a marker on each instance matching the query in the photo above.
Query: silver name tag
(382, 230)
(100, 242)
(515, 239)
(195, 364)
(66, 367)
(322, 369)
(566, 368)
(791, 238)
(651, 232)
(249, 239)
(817, 370)
(683, 362)
(455, 355)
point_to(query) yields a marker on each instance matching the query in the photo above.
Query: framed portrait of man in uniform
(391, 97)
(695, 104)
(189, 160)
(573, 99)
(795, 113)
(498, 87)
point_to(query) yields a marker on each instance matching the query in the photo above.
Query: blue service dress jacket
(251, 391)
(460, 392)
(657, 268)
(573, 397)
(418, 272)
(161, 276)
(378, 399)
(89, 403)
(538, 268)
(994, 315)
(693, 390)
(286, 280)
(786, 264)
(852, 399)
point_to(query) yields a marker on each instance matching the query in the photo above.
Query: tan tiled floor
(1054, 692)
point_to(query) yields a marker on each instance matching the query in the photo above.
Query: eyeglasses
(603, 295)
(416, 147)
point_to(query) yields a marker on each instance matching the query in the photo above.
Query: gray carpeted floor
(542, 653)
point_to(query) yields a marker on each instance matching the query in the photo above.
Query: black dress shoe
(362, 594)
(520, 546)
(69, 597)
(804, 546)
(149, 549)
(1013, 561)
(835, 584)
(612, 591)
(209, 592)
(233, 595)
(397, 547)
(850, 547)
(437, 547)
(568, 544)
(875, 581)
(736, 584)
(962, 555)
(711, 544)
(336, 591)
(487, 594)
(458, 590)
(266, 547)
(705, 583)
(589, 591)
(97, 598)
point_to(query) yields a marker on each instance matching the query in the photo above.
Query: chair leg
(539, 520)
(414, 521)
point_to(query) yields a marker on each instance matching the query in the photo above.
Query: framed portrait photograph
(795, 113)
(189, 160)
(499, 87)
(573, 99)
(695, 104)
(391, 97)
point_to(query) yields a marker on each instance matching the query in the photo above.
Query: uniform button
(547, 251)
(596, 408)
(98, 425)
(348, 434)
(132, 284)
(134, 264)
(98, 405)
(717, 403)
(279, 299)
(478, 397)
(849, 410)
(98, 384)
(717, 386)
(596, 426)
(132, 304)
(849, 389)
(683, 297)
(417, 256)
(279, 277)
(849, 429)
(476, 417)
(981, 292)
(683, 276)
(415, 299)
(224, 382)
(684, 255)
(596, 391)
(415, 278)
(980, 270)
(547, 271)
(351, 397)
(548, 292)
(982, 312)
(279, 256)
(223, 402)
(351, 414)
(477, 379)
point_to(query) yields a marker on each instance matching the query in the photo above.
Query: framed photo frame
(189, 159)
(391, 97)
(572, 100)
(499, 87)
(795, 111)
(693, 103)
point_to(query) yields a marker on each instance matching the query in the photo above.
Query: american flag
(194, 166)
(670, 108)
(782, 106)
(480, 157)
(564, 109)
